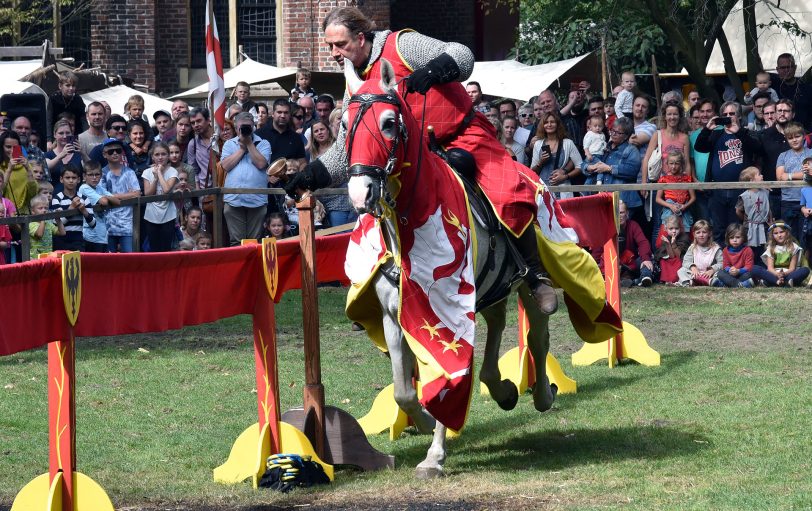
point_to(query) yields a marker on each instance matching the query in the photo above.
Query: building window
(75, 24)
(256, 30)
(197, 31)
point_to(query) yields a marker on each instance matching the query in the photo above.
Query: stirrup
(545, 296)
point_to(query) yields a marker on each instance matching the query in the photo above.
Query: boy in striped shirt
(68, 199)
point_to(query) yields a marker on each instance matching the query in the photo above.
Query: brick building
(161, 44)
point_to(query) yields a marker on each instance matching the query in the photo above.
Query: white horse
(392, 126)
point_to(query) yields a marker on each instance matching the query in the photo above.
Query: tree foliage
(29, 22)
(680, 33)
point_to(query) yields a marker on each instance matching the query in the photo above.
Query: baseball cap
(159, 113)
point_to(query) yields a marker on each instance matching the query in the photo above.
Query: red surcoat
(509, 186)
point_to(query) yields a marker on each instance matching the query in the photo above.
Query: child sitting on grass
(783, 258)
(670, 248)
(702, 259)
(737, 260)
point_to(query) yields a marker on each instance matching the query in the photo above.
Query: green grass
(723, 423)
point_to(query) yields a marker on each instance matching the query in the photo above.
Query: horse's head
(376, 137)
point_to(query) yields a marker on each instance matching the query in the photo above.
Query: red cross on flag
(214, 69)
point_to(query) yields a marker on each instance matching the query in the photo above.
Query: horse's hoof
(554, 389)
(509, 403)
(429, 473)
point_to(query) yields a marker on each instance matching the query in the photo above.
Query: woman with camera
(732, 149)
(65, 153)
(244, 160)
(555, 157)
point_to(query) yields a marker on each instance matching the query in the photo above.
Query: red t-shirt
(678, 196)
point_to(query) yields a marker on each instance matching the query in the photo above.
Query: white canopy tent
(17, 87)
(249, 71)
(118, 95)
(17, 70)
(772, 40)
(511, 79)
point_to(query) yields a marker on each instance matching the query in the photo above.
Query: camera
(246, 130)
(723, 121)
(545, 149)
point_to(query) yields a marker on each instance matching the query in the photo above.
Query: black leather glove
(441, 69)
(312, 177)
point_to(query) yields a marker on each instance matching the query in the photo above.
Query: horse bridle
(366, 100)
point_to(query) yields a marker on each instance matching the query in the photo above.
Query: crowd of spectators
(96, 159)
(684, 237)
(584, 138)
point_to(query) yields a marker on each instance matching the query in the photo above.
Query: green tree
(29, 22)
(680, 33)
(552, 30)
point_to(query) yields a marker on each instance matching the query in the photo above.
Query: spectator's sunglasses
(114, 151)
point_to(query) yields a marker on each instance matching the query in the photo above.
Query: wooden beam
(27, 51)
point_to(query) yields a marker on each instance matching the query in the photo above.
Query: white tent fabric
(16, 70)
(17, 87)
(511, 79)
(772, 41)
(117, 97)
(249, 71)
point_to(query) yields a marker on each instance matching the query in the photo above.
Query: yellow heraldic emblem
(432, 330)
(72, 285)
(269, 265)
(453, 346)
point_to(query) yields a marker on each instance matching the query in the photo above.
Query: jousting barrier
(99, 294)
(221, 283)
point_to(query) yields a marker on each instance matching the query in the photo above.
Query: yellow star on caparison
(453, 346)
(432, 330)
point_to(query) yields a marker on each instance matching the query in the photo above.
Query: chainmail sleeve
(417, 50)
(335, 158)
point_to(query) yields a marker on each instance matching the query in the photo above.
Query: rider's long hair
(352, 18)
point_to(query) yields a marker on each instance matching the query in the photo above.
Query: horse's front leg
(504, 392)
(401, 357)
(538, 341)
(432, 466)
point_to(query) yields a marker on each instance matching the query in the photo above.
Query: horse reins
(365, 102)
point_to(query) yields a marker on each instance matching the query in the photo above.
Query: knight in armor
(429, 74)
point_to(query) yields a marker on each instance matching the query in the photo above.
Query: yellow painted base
(252, 448)
(385, 413)
(515, 370)
(555, 374)
(635, 348)
(242, 461)
(295, 442)
(37, 495)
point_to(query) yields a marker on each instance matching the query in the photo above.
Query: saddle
(511, 268)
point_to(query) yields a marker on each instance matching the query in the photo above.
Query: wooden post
(656, 76)
(25, 242)
(314, 390)
(605, 81)
(217, 220)
(137, 225)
